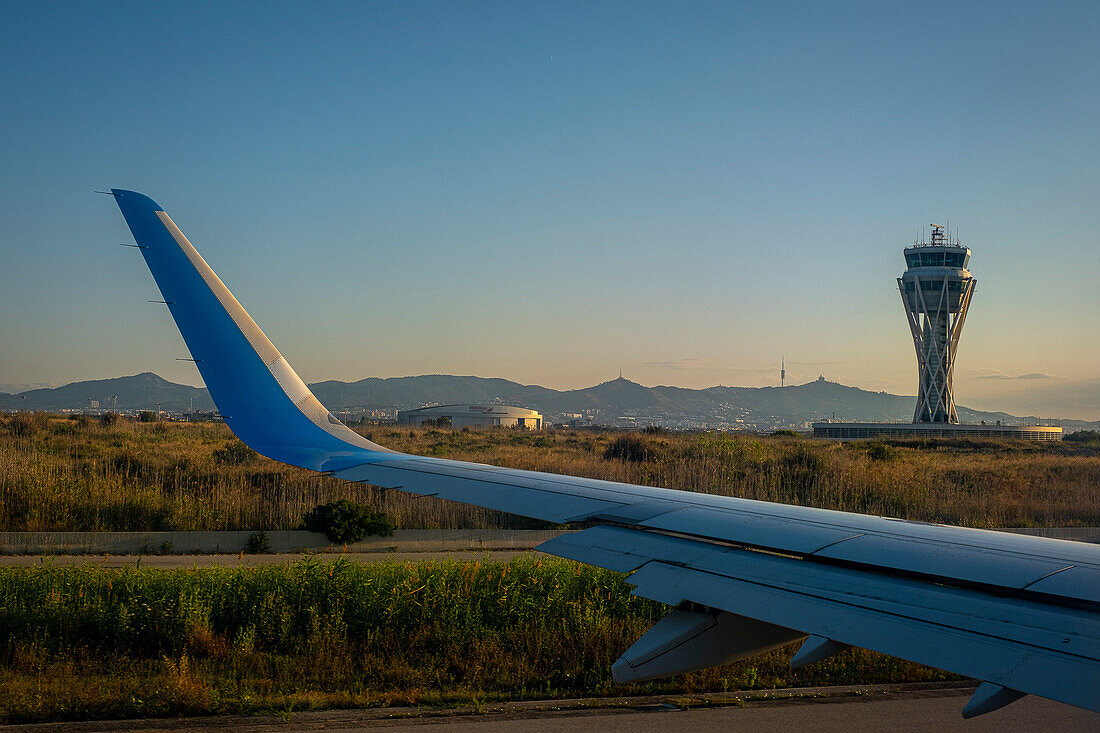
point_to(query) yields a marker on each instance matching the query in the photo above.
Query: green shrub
(343, 521)
(784, 432)
(26, 424)
(804, 460)
(1084, 436)
(802, 469)
(108, 419)
(258, 544)
(881, 452)
(234, 453)
(147, 416)
(630, 448)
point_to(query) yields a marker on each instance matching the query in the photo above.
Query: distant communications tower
(936, 289)
(782, 371)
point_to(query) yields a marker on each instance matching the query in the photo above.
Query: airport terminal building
(473, 416)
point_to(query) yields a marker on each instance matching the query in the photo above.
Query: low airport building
(473, 416)
(865, 430)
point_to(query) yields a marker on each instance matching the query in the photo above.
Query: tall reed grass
(62, 474)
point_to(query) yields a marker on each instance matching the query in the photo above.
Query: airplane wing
(1021, 614)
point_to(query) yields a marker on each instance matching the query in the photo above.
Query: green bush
(1084, 436)
(630, 448)
(343, 521)
(234, 453)
(804, 460)
(147, 416)
(27, 424)
(881, 452)
(258, 544)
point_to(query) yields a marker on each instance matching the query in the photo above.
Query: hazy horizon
(18, 388)
(688, 192)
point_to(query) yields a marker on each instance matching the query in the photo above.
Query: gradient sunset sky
(552, 192)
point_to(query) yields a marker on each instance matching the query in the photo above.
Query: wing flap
(1009, 641)
(625, 550)
(945, 559)
(1079, 581)
(1061, 629)
(751, 528)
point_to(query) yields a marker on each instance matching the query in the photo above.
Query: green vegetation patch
(630, 447)
(90, 642)
(1084, 436)
(344, 521)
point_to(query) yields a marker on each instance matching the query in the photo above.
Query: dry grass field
(80, 474)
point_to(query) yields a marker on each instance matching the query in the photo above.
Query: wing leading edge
(1020, 613)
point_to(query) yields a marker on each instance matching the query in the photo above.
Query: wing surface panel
(946, 553)
(1063, 677)
(1006, 640)
(945, 559)
(487, 486)
(1018, 619)
(1079, 581)
(752, 528)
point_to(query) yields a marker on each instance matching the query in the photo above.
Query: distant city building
(936, 289)
(473, 416)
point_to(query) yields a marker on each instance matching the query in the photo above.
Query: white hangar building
(474, 416)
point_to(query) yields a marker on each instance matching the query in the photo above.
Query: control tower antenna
(936, 289)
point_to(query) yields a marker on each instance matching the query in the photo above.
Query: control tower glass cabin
(936, 290)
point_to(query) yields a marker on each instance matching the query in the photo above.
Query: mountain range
(617, 402)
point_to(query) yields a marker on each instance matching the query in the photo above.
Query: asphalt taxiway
(927, 707)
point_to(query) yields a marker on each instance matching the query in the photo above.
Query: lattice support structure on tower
(936, 290)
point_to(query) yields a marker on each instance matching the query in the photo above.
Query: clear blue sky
(551, 192)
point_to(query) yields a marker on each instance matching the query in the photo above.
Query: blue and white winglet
(1020, 614)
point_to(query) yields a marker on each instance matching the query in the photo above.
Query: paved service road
(844, 715)
(920, 710)
(232, 561)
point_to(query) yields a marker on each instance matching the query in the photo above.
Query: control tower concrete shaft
(936, 289)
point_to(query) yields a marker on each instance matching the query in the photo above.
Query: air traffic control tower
(936, 290)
